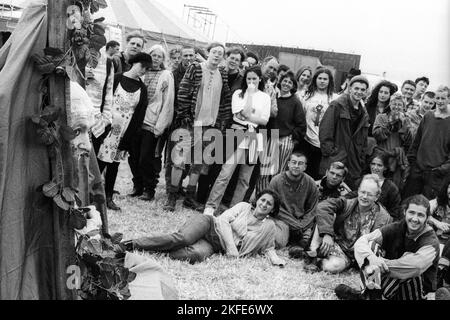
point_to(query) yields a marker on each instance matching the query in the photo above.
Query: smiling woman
(244, 230)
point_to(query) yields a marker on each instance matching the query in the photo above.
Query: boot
(344, 292)
(172, 195)
(147, 196)
(137, 191)
(190, 202)
(110, 204)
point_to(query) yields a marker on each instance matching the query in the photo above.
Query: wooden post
(64, 240)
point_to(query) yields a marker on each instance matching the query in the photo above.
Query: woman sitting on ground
(243, 230)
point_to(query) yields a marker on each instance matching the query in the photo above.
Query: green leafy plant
(103, 274)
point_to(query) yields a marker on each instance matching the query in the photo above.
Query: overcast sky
(405, 38)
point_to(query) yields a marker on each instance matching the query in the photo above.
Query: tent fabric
(26, 224)
(152, 282)
(149, 16)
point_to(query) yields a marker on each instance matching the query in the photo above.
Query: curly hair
(373, 98)
(291, 76)
(276, 201)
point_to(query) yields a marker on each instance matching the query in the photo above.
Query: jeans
(194, 241)
(150, 160)
(245, 172)
(424, 182)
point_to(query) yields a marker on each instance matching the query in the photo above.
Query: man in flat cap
(344, 129)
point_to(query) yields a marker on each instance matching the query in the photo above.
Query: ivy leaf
(61, 203)
(99, 20)
(116, 238)
(50, 189)
(131, 276)
(67, 133)
(101, 3)
(94, 246)
(68, 195)
(107, 280)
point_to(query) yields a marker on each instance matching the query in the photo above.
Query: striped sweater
(187, 98)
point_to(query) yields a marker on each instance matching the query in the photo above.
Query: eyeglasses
(368, 194)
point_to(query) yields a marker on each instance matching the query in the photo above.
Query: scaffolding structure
(201, 19)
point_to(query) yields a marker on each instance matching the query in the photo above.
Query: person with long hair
(243, 230)
(391, 132)
(378, 100)
(303, 78)
(128, 111)
(315, 103)
(290, 123)
(251, 107)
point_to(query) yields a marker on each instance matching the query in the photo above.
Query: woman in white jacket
(145, 161)
(251, 108)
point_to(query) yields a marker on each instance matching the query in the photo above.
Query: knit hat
(359, 79)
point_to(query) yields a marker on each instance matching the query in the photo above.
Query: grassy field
(219, 277)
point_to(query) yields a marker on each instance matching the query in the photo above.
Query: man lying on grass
(398, 261)
(242, 230)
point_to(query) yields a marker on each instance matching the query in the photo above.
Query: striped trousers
(274, 161)
(389, 288)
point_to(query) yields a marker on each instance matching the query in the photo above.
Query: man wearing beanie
(344, 129)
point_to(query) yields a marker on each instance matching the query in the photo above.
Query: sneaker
(345, 292)
(442, 293)
(208, 211)
(191, 203)
(171, 202)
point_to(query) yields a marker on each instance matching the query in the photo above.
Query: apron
(122, 110)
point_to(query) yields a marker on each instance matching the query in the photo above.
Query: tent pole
(59, 95)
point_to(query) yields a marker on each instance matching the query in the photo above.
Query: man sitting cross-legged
(298, 200)
(340, 222)
(398, 261)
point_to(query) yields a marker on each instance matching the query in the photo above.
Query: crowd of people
(277, 158)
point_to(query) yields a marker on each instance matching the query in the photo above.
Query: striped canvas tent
(157, 23)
